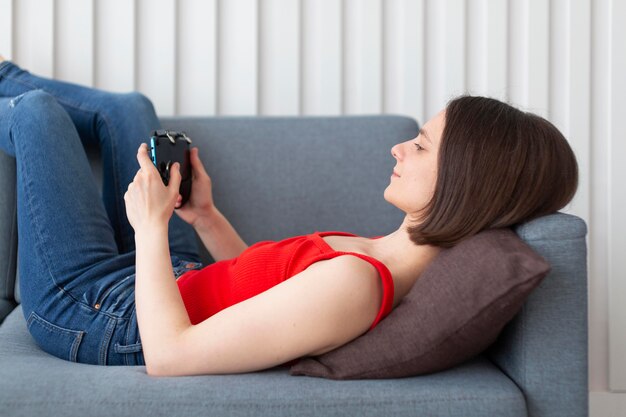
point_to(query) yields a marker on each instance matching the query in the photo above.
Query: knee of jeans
(134, 101)
(37, 98)
(37, 106)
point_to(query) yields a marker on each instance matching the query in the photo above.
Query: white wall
(563, 59)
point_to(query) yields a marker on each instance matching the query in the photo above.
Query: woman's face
(416, 167)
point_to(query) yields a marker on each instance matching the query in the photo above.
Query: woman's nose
(395, 151)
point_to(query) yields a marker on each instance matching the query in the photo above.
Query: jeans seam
(75, 345)
(126, 336)
(106, 340)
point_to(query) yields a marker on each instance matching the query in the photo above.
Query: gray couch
(275, 177)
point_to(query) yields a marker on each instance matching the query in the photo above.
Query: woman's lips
(394, 174)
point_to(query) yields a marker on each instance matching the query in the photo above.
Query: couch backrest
(274, 177)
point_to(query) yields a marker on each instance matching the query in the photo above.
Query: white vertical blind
(599, 194)
(477, 48)
(279, 56)
(517, 53)
(322, 57)
(537, 30)
(403, 60)
(562, 59)
(6, 28)
(454, 53)
(496, 65)
(578, 94)
(74, 30)
(237, 58)
(33, 29)
(156, 52)
(434, 57)
(362, 52)
(617, 195)
(196, 61)
(115, 45)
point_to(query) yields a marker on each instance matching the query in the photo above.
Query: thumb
(175, 177)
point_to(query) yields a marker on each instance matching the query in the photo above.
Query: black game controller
(166, 148)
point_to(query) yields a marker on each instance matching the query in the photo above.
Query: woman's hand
(200, 203)
(149, 203)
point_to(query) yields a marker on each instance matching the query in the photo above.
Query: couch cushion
(454, 311)
(33, 382)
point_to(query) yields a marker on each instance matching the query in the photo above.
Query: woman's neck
(405, 260)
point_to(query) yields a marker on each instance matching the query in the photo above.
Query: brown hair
(498, 166)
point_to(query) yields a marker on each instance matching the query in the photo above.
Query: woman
(96, 274)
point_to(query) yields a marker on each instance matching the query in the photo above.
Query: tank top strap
(335, 232)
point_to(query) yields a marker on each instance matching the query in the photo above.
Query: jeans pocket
(55, 340)
(133, 348)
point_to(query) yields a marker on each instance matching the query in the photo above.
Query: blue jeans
(76, 248)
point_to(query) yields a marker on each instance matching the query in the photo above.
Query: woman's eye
(419, 148)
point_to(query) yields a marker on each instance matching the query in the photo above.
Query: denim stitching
(127, 335)
(75, 345)
(49, 325)
(129, 348)
(106, 340)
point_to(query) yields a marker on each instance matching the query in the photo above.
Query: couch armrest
(544, 348)
(8, 234)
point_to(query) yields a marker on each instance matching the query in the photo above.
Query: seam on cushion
(452, 334)
(254, 405)
(551, 240)
(522, 337)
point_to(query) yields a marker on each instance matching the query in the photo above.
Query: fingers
(175, 177)
(197, 163)
(144, 160)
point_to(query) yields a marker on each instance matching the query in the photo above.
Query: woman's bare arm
(218, 236)
(319, 309)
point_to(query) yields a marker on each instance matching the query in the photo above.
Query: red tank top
(260, 267)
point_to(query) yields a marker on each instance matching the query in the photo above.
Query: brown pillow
(454, 311)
